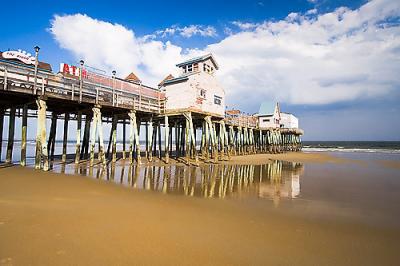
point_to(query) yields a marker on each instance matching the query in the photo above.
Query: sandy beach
(57, 219)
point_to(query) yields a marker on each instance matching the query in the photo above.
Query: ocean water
(352, 146)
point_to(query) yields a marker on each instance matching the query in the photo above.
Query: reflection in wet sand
(274, 180)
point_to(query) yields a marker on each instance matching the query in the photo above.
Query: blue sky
(332, 63)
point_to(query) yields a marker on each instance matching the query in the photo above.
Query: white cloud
(245, 25)
(110, 47)
(188, 31)
(339, 56)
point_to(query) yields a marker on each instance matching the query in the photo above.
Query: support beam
(11, 131)
(159, 140)
(86, 136)
(65, 138)
(23, 134)
(132, 127)
(146, 139)
(52, 138)
(187, 138)
(123, 139)
(78, 137)
(41, 144)
(110, 140)
(136, 131)
(114, 138)
(1, 130)
(97, 127)
(176, 140)
(190, 138)
(166, 139)
(150, 140)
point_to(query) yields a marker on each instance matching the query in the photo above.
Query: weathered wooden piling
(78, 137)
(24, 129)
(150, 141)
(65, 138)
(41, 158)
(97, 128)
(123, 139)
(1, 130)
(114, 138)
(52, 137)
(176, 140)
(166, 138)
(11, 130)
(134, 136)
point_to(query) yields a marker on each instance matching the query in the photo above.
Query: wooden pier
(187, 135)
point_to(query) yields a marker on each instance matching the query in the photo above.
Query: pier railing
(119, 93)
(241, 120)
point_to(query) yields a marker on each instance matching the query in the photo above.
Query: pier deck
(95, 100)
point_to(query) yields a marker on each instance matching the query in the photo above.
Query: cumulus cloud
(245, 25)
(188, 31)
(307, 58)
(110, 47)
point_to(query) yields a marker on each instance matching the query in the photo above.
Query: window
(203, 93)
(207, 68)
(266, 120)
(195, 67)
(189, 68)
(217, 100)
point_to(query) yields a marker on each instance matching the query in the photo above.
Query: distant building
(196, 89)
(133, 78)
(288, 120)
(269, 115)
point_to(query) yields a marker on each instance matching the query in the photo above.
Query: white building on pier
(196, 89)
(288, 120)
(269, 115)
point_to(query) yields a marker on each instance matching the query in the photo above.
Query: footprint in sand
(60, 252)
(6, 262)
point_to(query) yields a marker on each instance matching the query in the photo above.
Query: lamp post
(81, 80)
(37, 48)
(113, 87)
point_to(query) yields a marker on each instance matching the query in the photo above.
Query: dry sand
(55, 219)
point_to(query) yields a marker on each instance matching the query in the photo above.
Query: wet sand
(289, 156)
(390, 163)
(57, 219)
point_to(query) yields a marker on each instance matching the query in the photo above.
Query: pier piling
(65, 138)
(23, 134)
(1, 130)
(11, 130)
(78, 137)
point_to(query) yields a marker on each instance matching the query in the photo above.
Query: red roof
(165, 79)
(132, 77)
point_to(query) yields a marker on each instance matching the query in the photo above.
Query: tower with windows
(196, 89)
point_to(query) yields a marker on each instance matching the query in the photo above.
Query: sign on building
(19, 55)
(72, 70)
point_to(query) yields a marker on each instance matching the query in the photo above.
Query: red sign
(72, 70)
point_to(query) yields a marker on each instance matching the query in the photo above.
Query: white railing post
(5, 79)
(80, 80)
(36, 69)
(113, 87)
(43, 92)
